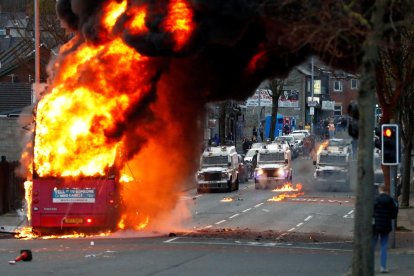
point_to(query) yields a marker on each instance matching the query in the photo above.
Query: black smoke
(227, 36)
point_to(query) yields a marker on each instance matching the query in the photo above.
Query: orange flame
(28, 186)
(137, 24)
(227, 199)
(323, 145)
(179, 22)
(112, 11)
(287, 188)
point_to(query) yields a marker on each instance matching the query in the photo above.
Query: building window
(337, 86)
(354, 84)
(338, 110)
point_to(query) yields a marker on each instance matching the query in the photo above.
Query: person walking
(385, 210)
(331, 129)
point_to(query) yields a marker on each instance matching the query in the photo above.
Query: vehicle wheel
(291, 177)
(237, 184)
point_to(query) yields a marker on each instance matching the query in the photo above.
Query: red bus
(75, 204)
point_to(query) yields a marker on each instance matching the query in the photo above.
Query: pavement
(400, 257)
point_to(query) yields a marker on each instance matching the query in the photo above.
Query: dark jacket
(385, 210)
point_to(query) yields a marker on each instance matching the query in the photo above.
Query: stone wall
(11, 133)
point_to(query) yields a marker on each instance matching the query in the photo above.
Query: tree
(395, 75)
(276, 89)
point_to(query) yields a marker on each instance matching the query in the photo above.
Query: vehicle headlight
(200, 176)
(281, 172)
(259, 172)
(224, 175)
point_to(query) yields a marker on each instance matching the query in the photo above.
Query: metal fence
(11, 187)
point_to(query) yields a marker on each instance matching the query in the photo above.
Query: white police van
(274, 166)
(218, 170)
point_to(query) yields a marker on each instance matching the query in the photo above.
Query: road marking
(349, 214)
(170, 240)
(220, 222)
(265, 210)
(258, 205)
(208, 226)
(233, 216)
(247, 210)
(260, 244)
(308, 218)
(299, 224)
(291, 229)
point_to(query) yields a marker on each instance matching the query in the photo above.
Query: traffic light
(353, 112)
(390, 144)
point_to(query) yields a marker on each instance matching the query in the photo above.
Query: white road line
(258, 205)
(349, 214)
(291, 229)
(220, 222)
(265, 210)
(247, 210)
(299, 224)
(308, 218)
(208, 226)
(233, 216)
(170, 240)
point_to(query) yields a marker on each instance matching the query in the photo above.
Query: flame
(74, 120)
(179, 22)
(27, 233)
(287, 189)
(137, 24)
(126, 178)
(28, 186)
(323, 145)
(112, 11)
(227, 199)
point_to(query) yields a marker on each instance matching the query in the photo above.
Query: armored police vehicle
(218, 170)
(273, 166)
(332, 166)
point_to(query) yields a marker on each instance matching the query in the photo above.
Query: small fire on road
(227, 199)
(288, 191)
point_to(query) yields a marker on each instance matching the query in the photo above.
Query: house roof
(14, 97)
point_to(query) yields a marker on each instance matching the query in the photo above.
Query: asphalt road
(330, 213)
(164, 256)
(238, 233)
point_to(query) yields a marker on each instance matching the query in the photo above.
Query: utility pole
(312, 88)
(37, 49)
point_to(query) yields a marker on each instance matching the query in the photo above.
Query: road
(238, 233)
(330, 213)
